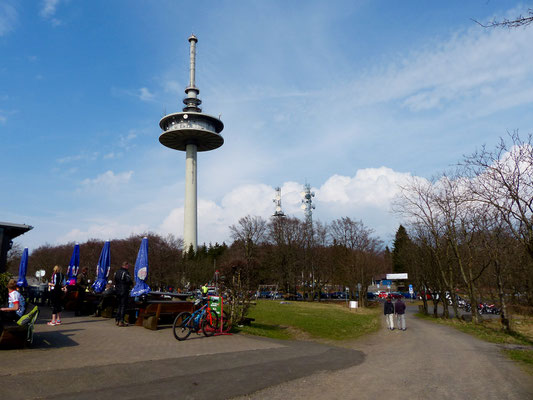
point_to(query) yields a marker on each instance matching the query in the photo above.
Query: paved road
(428, 361)
(88, 358)
(91, 358)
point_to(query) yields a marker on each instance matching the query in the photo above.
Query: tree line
(471, 230)
(296, 256)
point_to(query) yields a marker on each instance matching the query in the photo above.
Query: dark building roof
(9, 231)
(14, 230)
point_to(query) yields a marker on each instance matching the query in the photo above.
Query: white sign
(397, 276)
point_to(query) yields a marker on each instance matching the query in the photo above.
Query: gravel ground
(91, 358)
(427, 361)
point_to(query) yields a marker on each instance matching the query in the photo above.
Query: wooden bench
(17, 335)
(151, 313)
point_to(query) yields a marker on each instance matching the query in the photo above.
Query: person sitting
(107, 299)
(16, 305)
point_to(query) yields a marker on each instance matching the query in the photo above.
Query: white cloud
(369, 187)
(78, 157)
(102, 230)
(108, 179)
(367, 196)
(8, 18)
(48, 8)
(126, 140)
(473, 64)
(145, 95)
(48, 11)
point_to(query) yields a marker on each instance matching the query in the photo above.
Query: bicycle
(204, 318)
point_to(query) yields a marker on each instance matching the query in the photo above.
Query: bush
(239, 280)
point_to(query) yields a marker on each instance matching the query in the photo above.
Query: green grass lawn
(524, 357)
(315, 321)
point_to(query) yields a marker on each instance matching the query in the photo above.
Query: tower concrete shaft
(190, 231)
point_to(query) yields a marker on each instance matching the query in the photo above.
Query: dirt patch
(298, 334)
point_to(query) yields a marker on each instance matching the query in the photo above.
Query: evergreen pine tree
(399, 251)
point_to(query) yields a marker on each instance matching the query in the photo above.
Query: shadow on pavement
(54, 339)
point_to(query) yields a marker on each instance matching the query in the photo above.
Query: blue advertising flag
(141, 271)
(22, 282)
(102, 269)
(74, 265)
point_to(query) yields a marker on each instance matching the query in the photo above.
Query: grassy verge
(490, 331)
(315, 321)
(524, 357)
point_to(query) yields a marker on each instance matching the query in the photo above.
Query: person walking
(388, 310)
(399, 309)
(82, 282)
(123, 283)
(57, 288)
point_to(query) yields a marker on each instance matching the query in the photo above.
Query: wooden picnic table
(168, 295)
(152, 311)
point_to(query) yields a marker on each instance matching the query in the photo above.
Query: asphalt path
(427, 361)
(91, 358)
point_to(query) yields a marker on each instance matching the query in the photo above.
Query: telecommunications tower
(191, 131)
(307, 204)
(277, 201)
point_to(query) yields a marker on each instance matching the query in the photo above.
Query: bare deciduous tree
(520, 21)
(503, 179)
(249, 231)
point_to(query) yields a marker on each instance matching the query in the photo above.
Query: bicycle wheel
(180, 327)
(210, 323)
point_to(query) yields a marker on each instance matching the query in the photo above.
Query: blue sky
(352, 97)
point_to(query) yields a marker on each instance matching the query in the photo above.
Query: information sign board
(215, 304)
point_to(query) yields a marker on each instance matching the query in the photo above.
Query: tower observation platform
(191, 126)
(191, 131)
